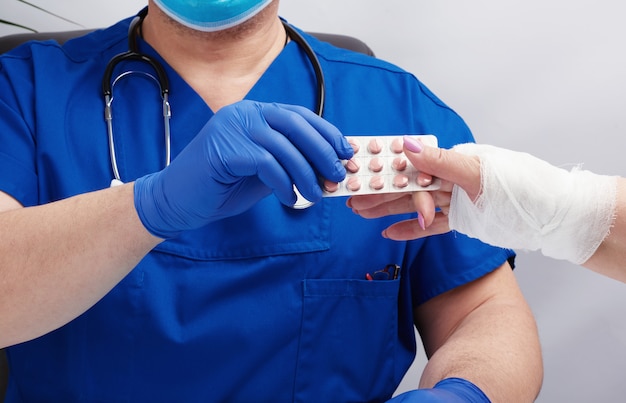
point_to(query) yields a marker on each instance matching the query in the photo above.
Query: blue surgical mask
(211, 15)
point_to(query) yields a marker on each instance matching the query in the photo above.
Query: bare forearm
(498, 359)
(495, 345)
(57, 260)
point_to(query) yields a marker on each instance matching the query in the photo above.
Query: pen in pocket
(390, 272)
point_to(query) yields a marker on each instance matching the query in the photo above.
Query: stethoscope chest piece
(301, 202)
(116, 182)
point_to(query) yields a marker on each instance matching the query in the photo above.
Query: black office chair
(11, 41)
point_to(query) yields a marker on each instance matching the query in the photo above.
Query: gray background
(543, 76)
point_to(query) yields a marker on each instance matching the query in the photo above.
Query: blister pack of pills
(379, 166)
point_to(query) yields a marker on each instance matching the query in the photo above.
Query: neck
(221, 66)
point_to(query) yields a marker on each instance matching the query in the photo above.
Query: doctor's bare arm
(483, 332)
(59, 259)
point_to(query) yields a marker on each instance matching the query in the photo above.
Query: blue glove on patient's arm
(245, 152)
(449, 390)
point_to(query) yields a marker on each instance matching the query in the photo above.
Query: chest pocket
(267, 229)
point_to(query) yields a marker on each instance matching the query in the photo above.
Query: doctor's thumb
(448, 165)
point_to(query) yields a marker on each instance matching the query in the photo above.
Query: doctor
(198, 281)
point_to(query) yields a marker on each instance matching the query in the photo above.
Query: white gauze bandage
(527, 203)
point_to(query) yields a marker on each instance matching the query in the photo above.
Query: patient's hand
(451, 167)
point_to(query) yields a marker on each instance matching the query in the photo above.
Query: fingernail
(412, 144)
(384, 234)
(420, 220)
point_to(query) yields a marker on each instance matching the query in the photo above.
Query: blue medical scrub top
(268, 306)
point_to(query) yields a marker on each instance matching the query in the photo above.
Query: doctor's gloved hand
(245, 152)
(450, 390)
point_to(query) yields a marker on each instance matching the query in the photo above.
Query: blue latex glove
(245, 152)
(449, 390)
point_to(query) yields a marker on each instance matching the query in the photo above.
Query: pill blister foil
(379, 166)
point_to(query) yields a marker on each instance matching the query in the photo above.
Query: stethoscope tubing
(133, 54)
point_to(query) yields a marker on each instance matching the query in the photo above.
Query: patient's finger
(361, 202)
(424, 204)
(382, 206)
(445, 164)
(410, 229)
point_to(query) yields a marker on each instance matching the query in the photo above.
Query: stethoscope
(161, 80)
